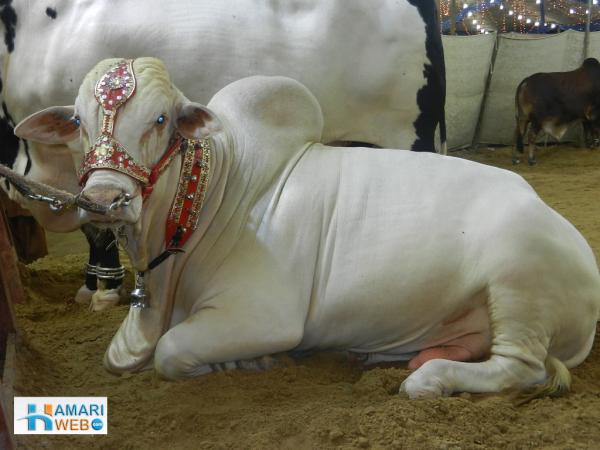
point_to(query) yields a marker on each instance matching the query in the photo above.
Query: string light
(518, 15)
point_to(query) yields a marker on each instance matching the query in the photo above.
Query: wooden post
(10, 291)
(586, 36)
(8, 262)
(488, 81)
(7, 395)
(453, 12)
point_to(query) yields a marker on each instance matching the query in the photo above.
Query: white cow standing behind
(377, 68)
(302, 246)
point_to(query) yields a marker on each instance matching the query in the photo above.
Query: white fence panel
(467, 66)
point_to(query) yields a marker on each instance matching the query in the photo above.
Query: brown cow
(553, 101)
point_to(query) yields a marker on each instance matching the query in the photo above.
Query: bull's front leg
(257, 314)
(104, 273)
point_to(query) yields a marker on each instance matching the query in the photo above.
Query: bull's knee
(174, 360)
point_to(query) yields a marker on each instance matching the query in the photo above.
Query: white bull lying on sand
(303, 246)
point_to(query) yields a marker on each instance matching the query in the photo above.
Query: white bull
(303, 246)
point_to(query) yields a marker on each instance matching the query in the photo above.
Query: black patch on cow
(9, 143)
(28, 165)
(431, 97)
(51, 12)
(8, 16)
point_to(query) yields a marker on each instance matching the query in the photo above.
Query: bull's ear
(195, 121)
(53, 125)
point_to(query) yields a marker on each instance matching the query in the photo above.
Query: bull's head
(126, 115)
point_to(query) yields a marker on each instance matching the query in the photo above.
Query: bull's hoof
(416, 386)
(104, 299)
(532, 161)
(84, 295)
(516, 161)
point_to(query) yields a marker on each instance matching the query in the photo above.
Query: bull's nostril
(118, 197)
(120, 200)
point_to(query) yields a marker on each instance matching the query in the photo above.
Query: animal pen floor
(318, 402)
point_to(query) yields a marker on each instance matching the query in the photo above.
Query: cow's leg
(85, 292)
(534, 130)
(109, 272)
(588, 134)
(520, 131)
(252, 309)
(519, 353)
(235, 335)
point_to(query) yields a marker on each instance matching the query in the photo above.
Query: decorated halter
(112, 91)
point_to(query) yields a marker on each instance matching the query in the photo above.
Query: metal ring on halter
(90, 269)
(110, 273)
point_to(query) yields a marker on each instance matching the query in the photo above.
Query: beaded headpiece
(112, 91)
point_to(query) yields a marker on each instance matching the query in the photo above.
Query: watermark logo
(60, 415)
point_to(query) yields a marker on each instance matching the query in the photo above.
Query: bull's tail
(557, 383)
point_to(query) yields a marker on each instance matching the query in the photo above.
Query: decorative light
(545, 24)
(571, 11)
(465, 6)
(510, 12)
(536, 24)
(587, 11)
(520, 17)
(478, 27)
(492, 1)
(474, 21)
(528, 21)
(470, 13)
(501, 6)
(483, 31)
(553, 25)
(537, 2)
(595, 2)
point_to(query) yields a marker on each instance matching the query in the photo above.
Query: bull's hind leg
(518, 353)
(534, 130)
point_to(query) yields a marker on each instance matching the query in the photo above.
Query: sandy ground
(318, 402)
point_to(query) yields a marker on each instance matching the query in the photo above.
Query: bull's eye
(76, 120)
(161, 119)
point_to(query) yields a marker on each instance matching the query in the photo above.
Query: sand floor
(319, 402)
